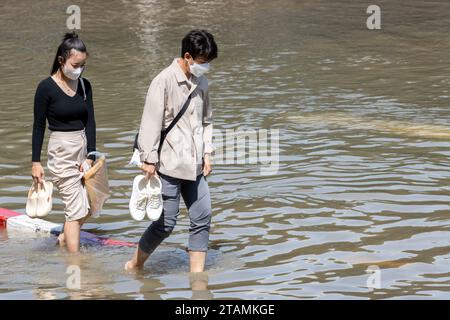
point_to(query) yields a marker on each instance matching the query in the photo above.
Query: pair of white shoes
(146, 198)
(39, 201)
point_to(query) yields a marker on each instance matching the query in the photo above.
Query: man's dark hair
(199, 43)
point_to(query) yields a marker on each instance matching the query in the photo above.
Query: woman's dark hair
(69, 42)
(199, 43)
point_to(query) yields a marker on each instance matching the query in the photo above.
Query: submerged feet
(61, 241)
(137, 262)
(131, 266)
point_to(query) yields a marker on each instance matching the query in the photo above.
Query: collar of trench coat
(181, 76)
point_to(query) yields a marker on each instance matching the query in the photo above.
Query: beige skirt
(67, 150)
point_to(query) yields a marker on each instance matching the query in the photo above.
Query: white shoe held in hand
(44, 199)
(32, 201)
(39, 202)
(155, 201)
(139, 197)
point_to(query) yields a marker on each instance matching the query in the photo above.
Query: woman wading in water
(65, 101)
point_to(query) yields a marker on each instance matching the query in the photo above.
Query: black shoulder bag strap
(84, 89)
(84, 98)
(164, 132)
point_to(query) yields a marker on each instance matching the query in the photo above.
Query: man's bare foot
(138, 260)
(132, 266)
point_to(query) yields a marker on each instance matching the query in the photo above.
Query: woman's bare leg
(72, 235)
(61, 237)
(61, 240)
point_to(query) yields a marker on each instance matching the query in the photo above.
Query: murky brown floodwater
(364, 126)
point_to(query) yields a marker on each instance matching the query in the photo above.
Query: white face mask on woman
(71, 73)
(198, 69)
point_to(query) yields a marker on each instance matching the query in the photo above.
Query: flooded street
(363, 179)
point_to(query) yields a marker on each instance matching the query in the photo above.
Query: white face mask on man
(198, 69)
(71, 73)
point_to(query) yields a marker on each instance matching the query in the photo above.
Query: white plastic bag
(135, 159)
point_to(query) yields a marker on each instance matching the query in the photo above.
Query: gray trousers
(198, 202)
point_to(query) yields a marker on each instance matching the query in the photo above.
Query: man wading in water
(184, 158)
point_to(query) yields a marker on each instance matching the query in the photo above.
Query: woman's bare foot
(61, 242)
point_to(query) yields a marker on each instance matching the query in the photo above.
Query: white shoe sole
(155, 187)
(44, 200)
(31, 205)
(139, 188)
